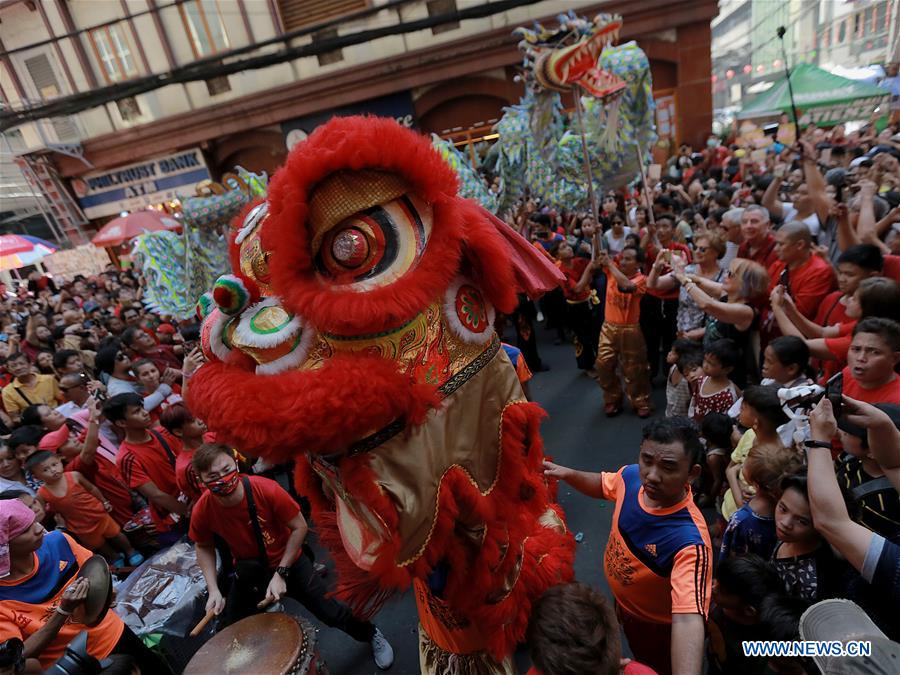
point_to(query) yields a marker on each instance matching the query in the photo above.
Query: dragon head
(569, 57)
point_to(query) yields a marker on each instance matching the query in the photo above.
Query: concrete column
(694, 91)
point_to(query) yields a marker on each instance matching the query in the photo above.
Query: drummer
(267, 549)
(39, 591)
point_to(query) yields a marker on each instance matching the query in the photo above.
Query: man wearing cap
(40, 590)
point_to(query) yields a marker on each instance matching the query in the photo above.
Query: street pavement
(576, 434)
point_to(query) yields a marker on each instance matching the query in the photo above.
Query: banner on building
(398, 105)
(137, 186)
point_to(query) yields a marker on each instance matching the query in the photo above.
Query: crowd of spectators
(728, 281)
(742, 279)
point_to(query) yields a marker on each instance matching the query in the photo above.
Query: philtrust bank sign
(137, 186)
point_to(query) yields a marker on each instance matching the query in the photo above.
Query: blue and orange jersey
(515, 356)
(658, 561)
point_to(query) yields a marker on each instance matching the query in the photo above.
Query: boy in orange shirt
(621, 340)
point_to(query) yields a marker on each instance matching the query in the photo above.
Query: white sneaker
(382, 651)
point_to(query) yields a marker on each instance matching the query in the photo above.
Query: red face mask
(226, 484)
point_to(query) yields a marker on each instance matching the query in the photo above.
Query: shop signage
(399, 106)
(136, 186)
(856, 109)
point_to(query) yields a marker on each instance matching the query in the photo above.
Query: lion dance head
(355, 334)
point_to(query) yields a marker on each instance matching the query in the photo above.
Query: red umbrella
(133, 225)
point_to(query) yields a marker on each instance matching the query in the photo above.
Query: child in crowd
(761, 415)
(752, 528)
(23, 442)
(573, 630)
(804, 561)
(786, 362)
(716, 392)
(29, 500)
(84, 509)
(181, 424)
(12, 475)
(148, 375)
(741, 586)
(716, 430)
(678, 391)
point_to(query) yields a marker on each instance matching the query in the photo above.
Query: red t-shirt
(186, 477)
(106, 476)
(274, 509)
(764, 255)
(807, 284)
(891, 268)
(888, 393)
(142, 463)
(652, 252)
(839, 348)
(832, 310)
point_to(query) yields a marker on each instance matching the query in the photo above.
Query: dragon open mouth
(561, 69)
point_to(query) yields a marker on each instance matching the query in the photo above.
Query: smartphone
(785, 278)
(779, 171)
(834, 390)
(4, 337)
(825, 156)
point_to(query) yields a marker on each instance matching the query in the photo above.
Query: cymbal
(99, 598)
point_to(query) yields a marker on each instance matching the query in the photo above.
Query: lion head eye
(367, 236)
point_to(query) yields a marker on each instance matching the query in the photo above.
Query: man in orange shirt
(621, 340)
(658, 558)
(39, 590)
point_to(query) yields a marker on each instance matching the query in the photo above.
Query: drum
(273, 643)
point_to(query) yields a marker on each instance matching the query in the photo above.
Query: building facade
(834, 35)
(452, 77)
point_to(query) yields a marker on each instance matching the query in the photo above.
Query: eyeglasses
(74, 386)
(121, 357)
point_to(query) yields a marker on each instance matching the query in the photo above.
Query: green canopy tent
(822, 98)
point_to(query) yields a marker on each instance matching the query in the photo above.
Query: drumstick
(265, 602)
(205, 620)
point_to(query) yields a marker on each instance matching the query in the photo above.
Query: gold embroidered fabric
(344, 193)
(463, 432)
(435, 661)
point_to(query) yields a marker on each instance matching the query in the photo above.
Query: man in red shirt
(758, 243)
(874, 354)
(146, 461)
(809, 277)
(806, 277)
(263, 527)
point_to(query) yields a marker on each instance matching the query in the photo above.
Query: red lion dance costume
(357, 328)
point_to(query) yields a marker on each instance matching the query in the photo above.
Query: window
(439, 8)
(42, 75)
(868, 25)
(218, 85)
(333, 56)
(113, 53)
(204, 26)
(857, 24)
(298, 13)
(842, 32)
(129, 108)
